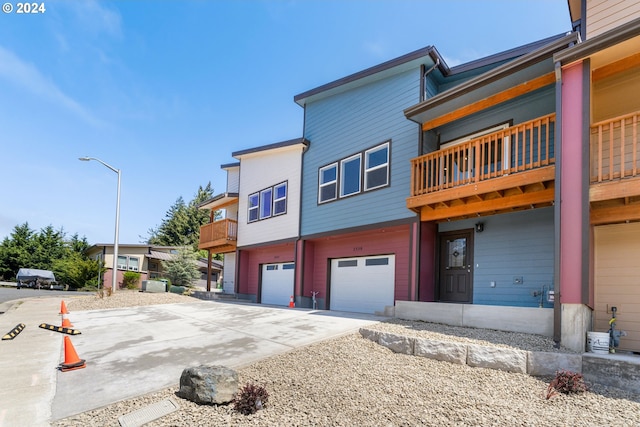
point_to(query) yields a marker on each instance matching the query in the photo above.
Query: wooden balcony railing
(515, 149)
(218, 233)
(615, 147)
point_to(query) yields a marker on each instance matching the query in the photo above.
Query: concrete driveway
(134, 351)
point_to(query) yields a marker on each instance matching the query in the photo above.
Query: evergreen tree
(182, 222)
(182, 270)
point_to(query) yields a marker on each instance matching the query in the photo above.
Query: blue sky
(167, 90)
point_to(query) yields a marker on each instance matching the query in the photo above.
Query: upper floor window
(376, 167)
(280, 199)
(267, 203)
(328, 183)
(254, 206)
(351, 175)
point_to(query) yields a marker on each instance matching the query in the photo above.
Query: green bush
(131, 280)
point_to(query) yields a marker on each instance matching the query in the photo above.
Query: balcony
(219, 236)
(511, 169)
(614, 192)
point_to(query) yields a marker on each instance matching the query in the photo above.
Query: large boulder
(208, 385)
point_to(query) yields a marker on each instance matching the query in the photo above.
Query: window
(328, 183)
(266, 198)
(350, 176)
(122, 262)
(280, 199)
(267, 203)
(376, 168)
(253, 207)
(128, 263)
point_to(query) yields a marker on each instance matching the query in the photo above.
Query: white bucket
(598, 342)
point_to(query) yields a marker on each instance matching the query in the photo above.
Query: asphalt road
(9, 292)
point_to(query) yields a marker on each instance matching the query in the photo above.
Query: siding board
(348, 123)
(512, 245)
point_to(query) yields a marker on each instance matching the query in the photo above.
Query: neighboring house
(484, 190)
(265, 208)
(357, 235)
(141, 258)
(599, 216)
(268, 220)
(220, 235)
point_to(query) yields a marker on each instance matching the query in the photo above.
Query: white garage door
(277, 283)
(363, 284)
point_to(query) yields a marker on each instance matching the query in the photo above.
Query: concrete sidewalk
(134, 351)
(28, 362)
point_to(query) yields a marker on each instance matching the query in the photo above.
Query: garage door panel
(277, 283)
(362, 284)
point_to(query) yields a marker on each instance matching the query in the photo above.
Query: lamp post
(114, 278)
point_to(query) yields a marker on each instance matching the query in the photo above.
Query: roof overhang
(219, 201)
(428, 56)
(300, 142)
(618, 35)
(528, 66)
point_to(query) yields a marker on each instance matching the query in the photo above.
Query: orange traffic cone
(65, 322)
(291, 303)
(63, 308)
(71, 359)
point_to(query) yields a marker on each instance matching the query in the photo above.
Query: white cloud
(27, 76)
(98, 18)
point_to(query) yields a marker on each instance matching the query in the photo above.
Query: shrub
(130, 279)
(566, 382)
(250, 399)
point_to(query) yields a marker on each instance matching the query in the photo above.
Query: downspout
(557, 306)
(424, 78)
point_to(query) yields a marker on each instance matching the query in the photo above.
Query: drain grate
(149, 413)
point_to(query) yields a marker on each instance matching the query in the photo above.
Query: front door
(456, 263)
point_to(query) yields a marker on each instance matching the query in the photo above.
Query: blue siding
(527, 107)
(347, 123)
(512, 245)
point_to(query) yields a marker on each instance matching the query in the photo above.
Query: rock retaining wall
(512, 360)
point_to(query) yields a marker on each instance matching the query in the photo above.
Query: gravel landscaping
(351, 381)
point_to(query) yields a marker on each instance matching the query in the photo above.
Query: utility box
(154, 286)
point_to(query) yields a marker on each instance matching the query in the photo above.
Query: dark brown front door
(456, 264)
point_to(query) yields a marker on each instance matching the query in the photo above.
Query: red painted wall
(428, 237)
(392, 240)
(106, 279)
(252, 259)
(571, 191)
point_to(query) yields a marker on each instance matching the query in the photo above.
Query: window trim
(366, 169)
(125, 266)
(338, 165)
(255, 207)
(276, 199)
(321, 184)
(271, 202)
(269, 205)
(344, 162)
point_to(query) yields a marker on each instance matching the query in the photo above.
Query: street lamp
(115, 239)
